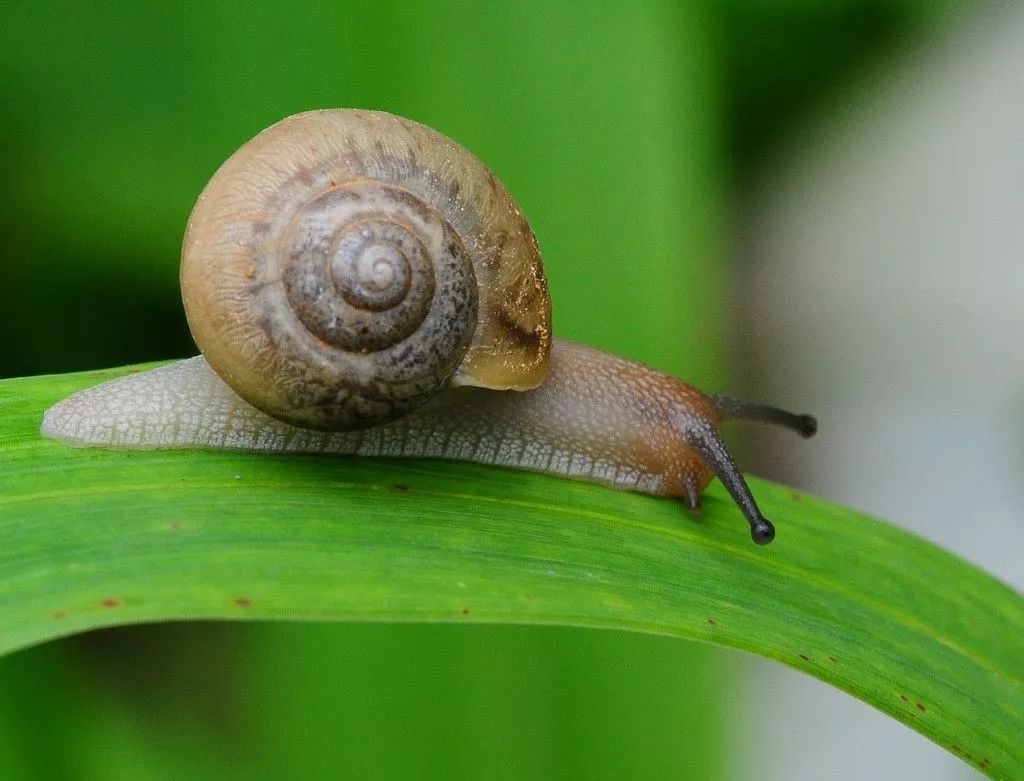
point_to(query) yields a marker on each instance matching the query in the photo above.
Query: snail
(360, 284)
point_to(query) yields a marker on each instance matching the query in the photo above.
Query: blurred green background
(624, 130)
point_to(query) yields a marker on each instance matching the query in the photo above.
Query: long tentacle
(701, 435)
(739, 409)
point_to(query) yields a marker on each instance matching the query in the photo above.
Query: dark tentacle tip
(762, 531)
(808, 426)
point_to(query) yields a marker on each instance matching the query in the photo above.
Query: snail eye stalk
(739, 409)
(702, 435)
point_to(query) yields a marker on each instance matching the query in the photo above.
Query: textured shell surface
(343, 266)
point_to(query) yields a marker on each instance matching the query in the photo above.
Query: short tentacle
(691, 492)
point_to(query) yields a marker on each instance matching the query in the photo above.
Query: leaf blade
(97, 538)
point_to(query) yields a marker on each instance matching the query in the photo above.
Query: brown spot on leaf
(174, 526)
(465, 611)
(59, 614)
(243, 601)
(400, 487)
(833, 659)
(712, 622)
(921, 707)
(805, 658)
(796, 497)
(905, 698)
(111, 602)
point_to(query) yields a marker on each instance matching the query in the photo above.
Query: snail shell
(344, 266)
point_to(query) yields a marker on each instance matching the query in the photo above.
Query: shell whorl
(342, 267)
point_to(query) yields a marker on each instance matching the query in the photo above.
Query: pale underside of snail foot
(575, 424)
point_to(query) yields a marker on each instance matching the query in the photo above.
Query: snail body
(572, 424)
(360, 284)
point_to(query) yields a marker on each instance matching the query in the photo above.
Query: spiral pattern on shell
(325, 297)
(361, 266)
(343, 266)
(378, 309)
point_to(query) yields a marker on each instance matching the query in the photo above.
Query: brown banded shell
(343, 266)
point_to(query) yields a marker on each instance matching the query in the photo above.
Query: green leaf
(96, 538)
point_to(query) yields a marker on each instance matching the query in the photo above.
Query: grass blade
(97, 538)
